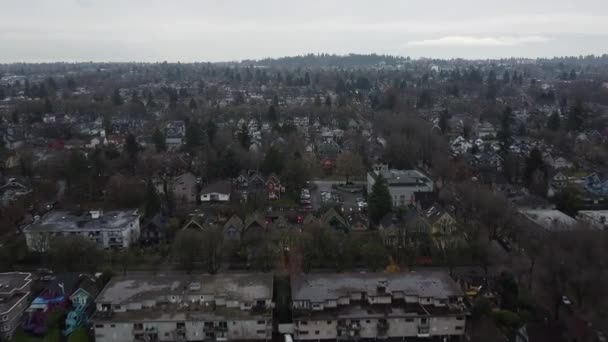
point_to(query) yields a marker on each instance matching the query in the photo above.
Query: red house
(273, 187)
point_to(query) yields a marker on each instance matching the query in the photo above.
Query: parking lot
(324, 195)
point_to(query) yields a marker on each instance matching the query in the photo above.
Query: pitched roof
(254, 218)
(235, 222)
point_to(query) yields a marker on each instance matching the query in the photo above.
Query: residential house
(112, 229)
(154, 229)
(443, 227)
(233, 228)
(399, 229)
(185, 307)
(14, 300)
(596, 185)
(371, 306)
(86, 292)
(12, 190)
(175, 134)
(218, 191)
(196, 222)
(185, 187)
(334, 220)
(273, 187)
(486, 130)
(254, 227)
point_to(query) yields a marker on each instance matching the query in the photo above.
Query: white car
(566, 301)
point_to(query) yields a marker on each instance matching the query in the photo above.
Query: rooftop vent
(95, 214)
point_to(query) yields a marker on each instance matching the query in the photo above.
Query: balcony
(348, 331)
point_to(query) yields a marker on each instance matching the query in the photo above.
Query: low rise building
(402, 184)
(112, 229)
(14, 300)
(182, 307)
(596, 218)
(353, 306)
(546, 221)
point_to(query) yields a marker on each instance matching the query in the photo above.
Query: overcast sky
(221, 30)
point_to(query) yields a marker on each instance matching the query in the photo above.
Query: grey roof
(395, 177)
(221, 187)
(245, 287)
(13, 287)
(82, 221)
(320, 287)
(550, 219)
(12, 282)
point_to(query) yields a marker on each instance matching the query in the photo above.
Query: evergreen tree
(194, 135)
(192, 104)
(273, 114)
(443, 121)
(328, 101)
(554, 122)
(534, 163)
(230, 165)
(116, 98)
(132, 147)
(380, 201)
(492, 87)
(576, 116)
(211, 130)
(572, 75)
(152, 204)
(135, 97)
(506, 77)
(159, 141)
(48, 105)
(243, 136)
(318, 101)
(275, 101)
(505, 134)
(273, 162)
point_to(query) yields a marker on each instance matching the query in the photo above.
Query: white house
(216, 192)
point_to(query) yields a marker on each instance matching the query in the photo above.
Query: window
(112, 326)
(367, 321)
(5, 318)
(303, 323)
(460, 318)
(261, 332)
(166, 334)
(136, 326)
(423, 321)
(409, 319)
(329, 322)
(316, 332)
(459, 328)
(261, 322)
(99, 326)
(303, 332)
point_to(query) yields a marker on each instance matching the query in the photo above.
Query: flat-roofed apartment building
(407, 306)
(114, 229)
(14, 300)
(180, 307)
